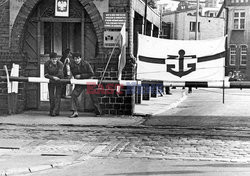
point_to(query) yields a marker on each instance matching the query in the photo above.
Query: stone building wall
(4, 26)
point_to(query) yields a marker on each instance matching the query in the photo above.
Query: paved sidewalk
(152, 107)
(163, 103)
(15, 160)
(204, 109)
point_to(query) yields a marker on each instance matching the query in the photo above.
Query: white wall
(209, 27)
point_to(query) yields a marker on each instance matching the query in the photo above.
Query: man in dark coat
(53, 70)
(81, 69)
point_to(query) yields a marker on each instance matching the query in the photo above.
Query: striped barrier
(72, 81)
(212, 84)
(204, 84)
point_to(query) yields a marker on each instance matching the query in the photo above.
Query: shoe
(74, 115)
(50, 113)
(53, 115)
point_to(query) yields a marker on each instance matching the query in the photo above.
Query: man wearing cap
(53, 70)
(81, 69)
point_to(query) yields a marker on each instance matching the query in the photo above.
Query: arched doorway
(44, 33)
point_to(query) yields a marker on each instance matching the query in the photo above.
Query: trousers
(74, 101)
(55, 90)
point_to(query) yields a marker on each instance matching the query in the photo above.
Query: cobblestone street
(153, 143)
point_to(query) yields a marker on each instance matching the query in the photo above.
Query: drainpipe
(227, 41)
(131, 34)
(224, 5)
(145, 17)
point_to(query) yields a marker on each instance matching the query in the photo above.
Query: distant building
(181, 26)
(238, 27)
(164, 8)
(193, 3)
(210, 11)
(183, 5)
(212, 8)
(211, 3)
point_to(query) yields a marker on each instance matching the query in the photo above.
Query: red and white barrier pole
(204, 84)
(71, 81)
(212, 84)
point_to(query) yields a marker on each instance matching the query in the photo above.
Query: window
(239, 1)
(232, 58)
(193, 26)
(243, 54)
(239, 20)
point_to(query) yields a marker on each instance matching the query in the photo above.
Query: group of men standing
(70, 64)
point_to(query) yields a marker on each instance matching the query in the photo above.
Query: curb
(33, 169)
(173, 105)
(228, 160)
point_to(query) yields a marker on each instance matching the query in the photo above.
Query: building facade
(238, 29)
(181, 26)
(30, 30)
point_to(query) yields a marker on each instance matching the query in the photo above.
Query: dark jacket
(51, 70)
(83, 69)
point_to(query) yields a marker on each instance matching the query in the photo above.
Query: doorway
(57, 37)
(45, 33)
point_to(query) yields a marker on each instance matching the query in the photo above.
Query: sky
(166, 1)
(172, 4)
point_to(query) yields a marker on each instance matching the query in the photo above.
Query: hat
(53, 55)
(76, 55)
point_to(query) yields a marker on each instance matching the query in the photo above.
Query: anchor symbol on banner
(181, 72)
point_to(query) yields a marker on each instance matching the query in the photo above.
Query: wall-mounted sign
(114, 20)
(62, 8)
(110, 38)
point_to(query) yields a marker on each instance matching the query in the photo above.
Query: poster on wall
(113, 23)
(110, 38)
(62, 8)
(114, 20)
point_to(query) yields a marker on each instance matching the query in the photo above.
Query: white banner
(180, 60)
(62, 8)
